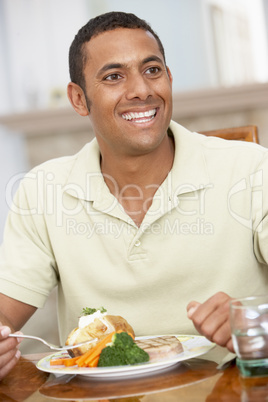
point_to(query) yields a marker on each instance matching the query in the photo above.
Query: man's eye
(112, 77)
(153, 70)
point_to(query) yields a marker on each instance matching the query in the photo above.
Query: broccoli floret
(111, 356)
(136, 355)
(123, 340)
(121, 352)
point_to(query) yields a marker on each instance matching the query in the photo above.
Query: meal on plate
(116, 344)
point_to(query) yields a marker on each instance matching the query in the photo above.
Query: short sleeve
(28, 270)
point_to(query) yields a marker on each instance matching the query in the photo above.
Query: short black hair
(95, 26)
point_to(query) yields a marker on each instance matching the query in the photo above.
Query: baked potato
(96, 325)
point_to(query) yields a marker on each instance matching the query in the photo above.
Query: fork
(50, 345)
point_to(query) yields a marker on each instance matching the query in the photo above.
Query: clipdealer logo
(167, 227)
(255, 185)
(50, 199)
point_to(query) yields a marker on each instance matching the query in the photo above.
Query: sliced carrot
(56, 362)
(94, 362)
(87, 357)
(82, 358)
(70, 362)
(96, 351)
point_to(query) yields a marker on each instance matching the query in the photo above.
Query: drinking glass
(249, 326)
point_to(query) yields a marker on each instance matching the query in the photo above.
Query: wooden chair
(245, 133)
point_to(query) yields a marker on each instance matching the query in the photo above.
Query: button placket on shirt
(137, 243)
(136, 249)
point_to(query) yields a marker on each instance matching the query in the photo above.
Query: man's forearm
(14, 313)
(5, 321)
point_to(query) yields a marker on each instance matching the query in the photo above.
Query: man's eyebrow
(109, 66)
(152, 58)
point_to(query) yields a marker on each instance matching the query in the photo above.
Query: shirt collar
(85, 180)
(188, 174)
(189, 171)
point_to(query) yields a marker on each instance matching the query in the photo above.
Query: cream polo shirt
(205, 232)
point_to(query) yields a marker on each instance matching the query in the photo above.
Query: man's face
(129, 91)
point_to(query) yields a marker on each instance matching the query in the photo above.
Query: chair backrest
(245, 133)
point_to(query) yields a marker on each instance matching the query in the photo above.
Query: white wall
(13, 164)
(5, 98)
(35, 36)
(179, 24)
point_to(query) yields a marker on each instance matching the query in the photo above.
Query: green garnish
(89, 311)
(122, 351)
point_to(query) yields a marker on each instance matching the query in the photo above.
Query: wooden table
(193, 380)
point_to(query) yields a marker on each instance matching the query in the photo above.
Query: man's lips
(140, 117)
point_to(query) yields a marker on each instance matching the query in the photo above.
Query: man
(145, 218)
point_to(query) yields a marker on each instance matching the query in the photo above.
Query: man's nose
(138, 87)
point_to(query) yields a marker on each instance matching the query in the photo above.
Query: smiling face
(128, 91)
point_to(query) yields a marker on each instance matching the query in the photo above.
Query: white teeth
(140, 115)
(145, 120)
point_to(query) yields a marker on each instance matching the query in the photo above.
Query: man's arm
(211, 319)
(13, 315)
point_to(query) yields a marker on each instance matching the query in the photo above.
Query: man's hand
(13, 316)
(211, 319)
(9, 352)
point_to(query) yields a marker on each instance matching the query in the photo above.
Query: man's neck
(134, 180)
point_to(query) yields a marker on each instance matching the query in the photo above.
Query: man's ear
(169, 75)
(77, 98)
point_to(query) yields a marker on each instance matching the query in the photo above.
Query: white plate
(193, 346)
